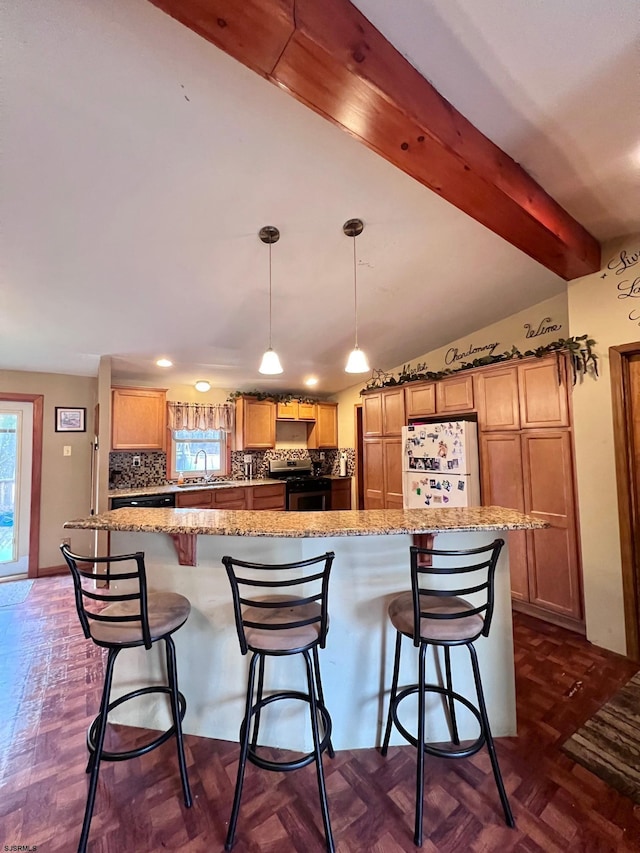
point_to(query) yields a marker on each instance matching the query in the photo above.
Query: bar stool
(439, 617)
(281, 624)
(124, 621)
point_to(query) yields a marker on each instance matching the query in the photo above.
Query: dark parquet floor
(50, 680)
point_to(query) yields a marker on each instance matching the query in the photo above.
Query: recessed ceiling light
(164, 362)
(311, 381)
(202, 385)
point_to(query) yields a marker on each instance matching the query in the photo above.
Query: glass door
(16, 428)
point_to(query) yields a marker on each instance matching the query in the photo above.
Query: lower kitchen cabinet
(341, 494)
(383, 473)
(532, 471)
(266, 497)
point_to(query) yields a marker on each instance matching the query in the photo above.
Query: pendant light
(270, 363)
(357, 361)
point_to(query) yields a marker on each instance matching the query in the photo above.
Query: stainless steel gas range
(305, 491)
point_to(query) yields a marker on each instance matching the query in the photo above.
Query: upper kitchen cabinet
(296, 411)
(542, 386)
(255, 424)
(455, 395)
(383, 412)
(496, 395)
(323, 434)
(138, 418)
(420, 399)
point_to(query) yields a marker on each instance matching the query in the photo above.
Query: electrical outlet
(66, 541)
(322, 454)
(136, 461)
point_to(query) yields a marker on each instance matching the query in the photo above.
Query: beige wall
(595, 307)
(65, 479)
(552, 315)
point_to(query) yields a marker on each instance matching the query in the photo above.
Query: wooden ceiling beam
(331, 58)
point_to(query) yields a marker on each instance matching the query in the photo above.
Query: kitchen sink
(205, 485)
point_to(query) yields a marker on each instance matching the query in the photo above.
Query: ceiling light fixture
(270, 363)
(311, 381)
(164, 362)
(202, 385)
(357, 361)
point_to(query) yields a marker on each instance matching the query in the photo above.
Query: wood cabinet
(255, 424)
(138, 418)
(455, 395)
(503, 485)
(542, 388)
(296, 411)
(554, 578)
(420, 399)
(323, 434)
(341, 494)
(382, 473)
(234, 497)
(383, 412)
(266, 497)
(497, 400)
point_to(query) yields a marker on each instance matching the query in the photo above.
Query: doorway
(21, 417)
(625, 390)
(359, 445)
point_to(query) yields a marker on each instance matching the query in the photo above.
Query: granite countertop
(172, 488)
(297, 525)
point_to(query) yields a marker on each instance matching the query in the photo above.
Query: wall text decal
(542, 329)
(623, 260)
(454, 354)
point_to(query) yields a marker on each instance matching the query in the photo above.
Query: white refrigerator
(440, 465)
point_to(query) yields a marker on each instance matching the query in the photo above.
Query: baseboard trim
(547, 616)
(48, 571)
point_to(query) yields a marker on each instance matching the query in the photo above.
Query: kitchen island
(371, 566)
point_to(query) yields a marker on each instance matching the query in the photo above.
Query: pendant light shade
(357, 361)
(270, 364)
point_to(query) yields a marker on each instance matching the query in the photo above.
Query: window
(187, 457)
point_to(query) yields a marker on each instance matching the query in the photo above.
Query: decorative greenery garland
(581, 355)
(269, 395)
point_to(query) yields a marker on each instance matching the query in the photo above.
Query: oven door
(308, 501)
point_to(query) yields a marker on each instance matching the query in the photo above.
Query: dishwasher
(144, 501)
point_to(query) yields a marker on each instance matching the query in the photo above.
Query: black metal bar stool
(279, 624)
(440, 617)
(117, 621)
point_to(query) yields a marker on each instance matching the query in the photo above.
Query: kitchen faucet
(195, 462)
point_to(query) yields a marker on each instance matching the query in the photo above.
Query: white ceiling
(139, 163)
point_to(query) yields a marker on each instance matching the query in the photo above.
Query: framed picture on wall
(71, 420)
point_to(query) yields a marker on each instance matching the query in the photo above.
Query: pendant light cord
(270, 296)
(355, 290)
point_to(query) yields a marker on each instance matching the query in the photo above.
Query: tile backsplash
(152, 470)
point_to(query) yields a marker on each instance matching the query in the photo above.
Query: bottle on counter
(343, 463)
(180, 478)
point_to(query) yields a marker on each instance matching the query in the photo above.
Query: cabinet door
(496, 396)
(266, 497)
(232, 498)
(503, 485)
(372, 415)
(287, 411)
(392, 462)
(543, 393)
(554, 581)
(138, 419)
(393, 411)
(455, 395)
(341, 494)
(327, 425)
(420, 399)
(373, 473)
(195, 499)
(255, 424)
(306, 411)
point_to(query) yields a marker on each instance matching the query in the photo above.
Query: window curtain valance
(201, 416)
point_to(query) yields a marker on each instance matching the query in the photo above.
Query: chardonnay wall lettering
(622, 265)
(453, 354)
(544, 327)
